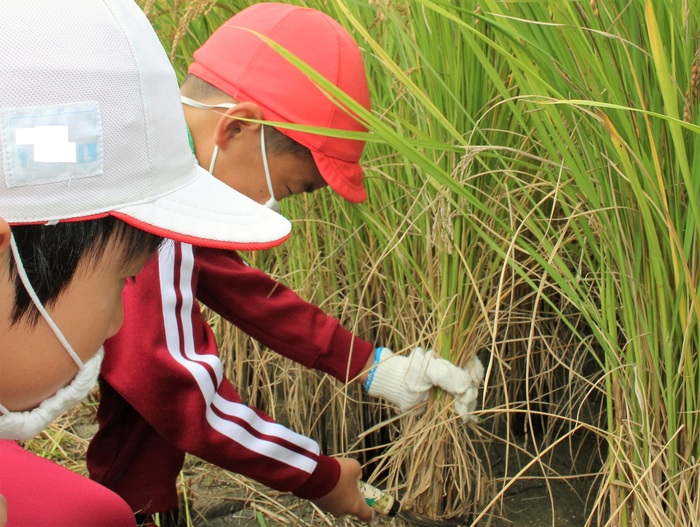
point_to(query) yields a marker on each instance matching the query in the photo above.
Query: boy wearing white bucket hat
(95, 169)
(152, 412)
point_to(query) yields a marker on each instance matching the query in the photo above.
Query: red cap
(244, 66)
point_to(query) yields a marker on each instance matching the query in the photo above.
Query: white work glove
(407, 381)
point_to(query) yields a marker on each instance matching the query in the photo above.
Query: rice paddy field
(533, 172)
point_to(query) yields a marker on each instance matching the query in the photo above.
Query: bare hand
(346, 498)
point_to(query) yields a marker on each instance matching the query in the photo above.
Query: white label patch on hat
(51, 143)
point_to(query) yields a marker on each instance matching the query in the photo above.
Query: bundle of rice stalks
(533, 183)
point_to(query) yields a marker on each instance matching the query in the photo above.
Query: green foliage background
(533, 178)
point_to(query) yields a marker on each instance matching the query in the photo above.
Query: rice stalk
(533, 197)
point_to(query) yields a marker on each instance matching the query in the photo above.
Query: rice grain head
(691, 96)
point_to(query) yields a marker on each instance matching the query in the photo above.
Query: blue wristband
(373, 369)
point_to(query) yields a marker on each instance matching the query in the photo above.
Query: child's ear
(4, 236)
(230, 126)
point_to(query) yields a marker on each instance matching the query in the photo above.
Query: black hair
(275, 141)
(50, 255)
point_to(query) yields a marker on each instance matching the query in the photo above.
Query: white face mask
(271, 203)
(27, 424)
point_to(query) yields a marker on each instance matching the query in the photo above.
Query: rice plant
(533, 198)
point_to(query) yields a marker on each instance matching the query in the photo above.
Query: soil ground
(223, 500)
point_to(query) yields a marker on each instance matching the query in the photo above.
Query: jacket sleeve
(277, 317)
(165, 363)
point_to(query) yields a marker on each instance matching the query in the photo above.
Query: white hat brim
(209, 213)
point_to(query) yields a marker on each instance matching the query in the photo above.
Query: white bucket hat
(91, 125)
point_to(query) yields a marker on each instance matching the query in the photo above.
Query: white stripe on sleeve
(195, 365)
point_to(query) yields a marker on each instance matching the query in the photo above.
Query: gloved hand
(406, 381)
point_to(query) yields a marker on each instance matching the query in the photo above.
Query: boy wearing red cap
(94, 169)
(177, 400)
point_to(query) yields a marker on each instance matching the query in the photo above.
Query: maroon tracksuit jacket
(163, 392)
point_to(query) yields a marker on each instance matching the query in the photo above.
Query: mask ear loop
(265, 166)
(35, 299)
(203, 106)
(196, 104)
(213, 159)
